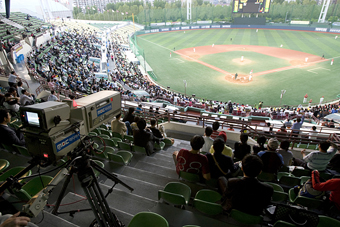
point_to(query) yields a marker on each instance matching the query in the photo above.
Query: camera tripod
(83, 166)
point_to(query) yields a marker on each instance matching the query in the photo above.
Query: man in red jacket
(332, 185)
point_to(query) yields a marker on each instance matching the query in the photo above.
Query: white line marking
(311, 71)
(180, 61)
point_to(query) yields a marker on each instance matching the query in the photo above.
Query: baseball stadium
(169, 113)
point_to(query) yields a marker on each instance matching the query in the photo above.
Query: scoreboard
(251, 6)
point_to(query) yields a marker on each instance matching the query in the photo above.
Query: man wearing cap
(227, 150)
(272, 161)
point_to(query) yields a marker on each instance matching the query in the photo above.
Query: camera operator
(15, 221)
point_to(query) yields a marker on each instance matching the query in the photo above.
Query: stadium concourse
(66, 65)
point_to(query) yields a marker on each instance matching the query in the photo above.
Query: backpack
(307, 190)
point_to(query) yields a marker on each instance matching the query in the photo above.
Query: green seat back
(14, 171)
(9, 148)
(103, 136)
(123, 157)
(175, 193)
(35, 185)
(148, 219)
(159, 146)
(116, 140)
(191, 177)
(139, 149)
(3, 165)
(266, 177)
(283, 224)
(103, 127)
(167, 142)
(124, 146)
(93, 134)
(22, 150)
(208, 207)
(96, 173)
(109, 142)
(325, 221)
(106, 132)
(208, 195)
(129, 138)
(245, 218)
(116, 134)
(301, 172)
(102, 154)
(304, 201)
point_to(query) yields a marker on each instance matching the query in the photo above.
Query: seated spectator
(52, 97)
(247, 194)
(286, 154)
(144, 138)
(139, 109)
(156, 132)
(317, 160)
(242, 148)
(332, 185)
(261, 140)
(118, 126)
(282, 131)
(134, 124)
(26, 98)
(288, 123)
(20, 88)
(11, 102)
(192, 161)
(313, 134)
(9, 136)
(227, 150)
(272, 161)
(128, 119)
(215, 132)
(220, 164)
(231, 128)
(208, 141)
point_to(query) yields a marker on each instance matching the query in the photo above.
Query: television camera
(55, 129)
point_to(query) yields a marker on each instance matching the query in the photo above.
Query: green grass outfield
(322, 79)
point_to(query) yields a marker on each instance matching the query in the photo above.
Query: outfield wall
(178, 28)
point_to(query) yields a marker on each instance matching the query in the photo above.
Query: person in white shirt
(208, 141)
(20, 88)
(313, 134)
(52, 97)
(12, 78)
(26, 98)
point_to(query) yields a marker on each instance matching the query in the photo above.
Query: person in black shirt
(242, 148)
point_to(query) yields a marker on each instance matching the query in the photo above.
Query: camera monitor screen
(32, 119)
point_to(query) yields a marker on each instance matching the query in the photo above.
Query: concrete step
(147, 176)
(85, 218)
(160, 170)
(126, 201)
(159, 160)
(141, 188)
(50, 220)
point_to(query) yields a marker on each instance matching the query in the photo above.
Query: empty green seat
(9, 148)
(14, 171)
(116, 134)
(96, 173)
(148, 219)
(206, 202)
(266, 177)
(128, 138)
(278, 195)
(22, 150)
(159, 146)
(104, 136)
(301, 172)
(124, 146)
(175, 193)
(325, 221)
(32, 187)
(106, 132)
(123, 157)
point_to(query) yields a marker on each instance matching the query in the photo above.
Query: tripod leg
(62, 192)
(97, 200)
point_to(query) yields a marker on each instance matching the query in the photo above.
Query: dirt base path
(297, 59)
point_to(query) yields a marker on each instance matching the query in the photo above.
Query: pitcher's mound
(239, 62)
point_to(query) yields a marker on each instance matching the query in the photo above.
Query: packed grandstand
(70, 59)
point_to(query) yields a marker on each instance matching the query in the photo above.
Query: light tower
(189, 17)
(324, 10)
